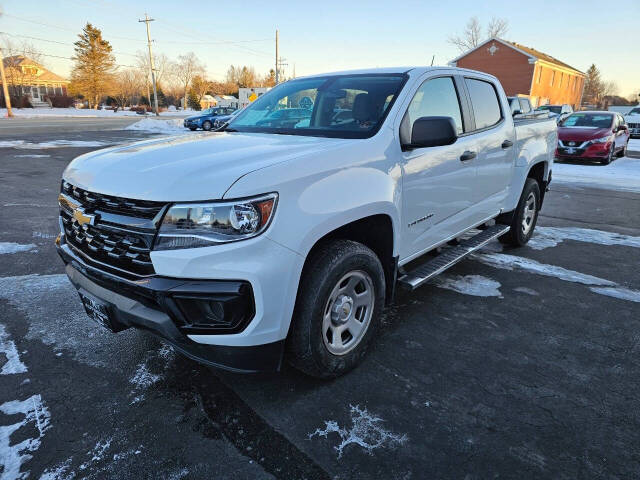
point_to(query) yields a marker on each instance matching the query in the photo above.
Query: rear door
(494, 133)
(438, 185)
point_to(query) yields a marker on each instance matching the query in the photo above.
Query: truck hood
(582, 134)
(187, 168)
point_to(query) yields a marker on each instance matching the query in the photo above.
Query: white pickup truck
(284, 235)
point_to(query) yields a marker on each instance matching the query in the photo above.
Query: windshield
(551, 108)
(634, 111)
(588, 120)
(341, 106)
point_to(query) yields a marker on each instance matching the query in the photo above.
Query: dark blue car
(205, 119)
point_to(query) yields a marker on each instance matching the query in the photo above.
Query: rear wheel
(525, 216)
(338, 309)
(206, 125)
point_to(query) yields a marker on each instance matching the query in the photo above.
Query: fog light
(219, 313)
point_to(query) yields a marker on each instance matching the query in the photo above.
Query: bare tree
(17, 76)
(187, 67)
(497, 28)
(126, 85)
(472, 35)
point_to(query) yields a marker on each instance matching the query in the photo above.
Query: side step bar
(448, 258)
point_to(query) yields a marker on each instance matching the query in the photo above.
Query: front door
(35, 93)
(438, 187)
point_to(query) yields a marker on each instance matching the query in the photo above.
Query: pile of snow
(83, 112)
(159, 126)
(622, 174)
(634, 145)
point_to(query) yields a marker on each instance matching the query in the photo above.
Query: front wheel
(612, 154)
(207, 125)
(338, 309)
(623, 151)
(524, 218)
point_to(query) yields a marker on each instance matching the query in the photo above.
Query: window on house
(539, 74)
(553, 77)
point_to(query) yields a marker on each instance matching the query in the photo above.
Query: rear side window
(435, 97)
(484, 100)
(525, 106)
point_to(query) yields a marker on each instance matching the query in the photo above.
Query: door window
(525, 106)
(436, 97)
(484, 100)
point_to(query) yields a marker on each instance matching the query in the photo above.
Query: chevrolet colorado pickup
(284, 236)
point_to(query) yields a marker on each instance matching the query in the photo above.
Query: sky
(326, 36)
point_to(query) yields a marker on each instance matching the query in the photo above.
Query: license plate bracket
(99, 312)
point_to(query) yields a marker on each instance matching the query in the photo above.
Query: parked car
(206, 118)
(632, 119)
(559, 111)
(222, 119)
(592, 135)
(270, 240)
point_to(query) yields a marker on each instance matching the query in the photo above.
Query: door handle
(507, 144)
(467, 155)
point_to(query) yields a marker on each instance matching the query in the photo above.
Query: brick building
(527, 72)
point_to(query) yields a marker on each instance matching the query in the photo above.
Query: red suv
(592, 135)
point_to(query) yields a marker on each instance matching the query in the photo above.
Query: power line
(59, 43)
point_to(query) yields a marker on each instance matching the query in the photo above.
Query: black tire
(207, 125)
(517, 236)
(306, 344)
(611, 156)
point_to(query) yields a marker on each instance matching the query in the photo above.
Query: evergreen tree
(593, 85)
(193, 101)
(92, 74)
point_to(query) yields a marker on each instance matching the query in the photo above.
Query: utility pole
(5, 90)
(277, 59)
(151, 64)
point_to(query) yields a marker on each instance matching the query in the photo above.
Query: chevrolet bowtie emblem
(83, 218)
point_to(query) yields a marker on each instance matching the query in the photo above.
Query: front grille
(112, 233)
(634, 125)
(112, 204)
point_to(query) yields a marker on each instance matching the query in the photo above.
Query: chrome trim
(582, 145)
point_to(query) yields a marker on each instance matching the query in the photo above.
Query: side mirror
(432, 132)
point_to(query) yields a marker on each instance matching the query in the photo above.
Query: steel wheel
(529, 213)
(348, 312)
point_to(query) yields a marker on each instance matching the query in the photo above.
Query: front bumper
(591, 152)
(147, 304)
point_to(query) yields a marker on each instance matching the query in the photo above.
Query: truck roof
(405, 69)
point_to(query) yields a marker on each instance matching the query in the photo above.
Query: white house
(248, 95)
(226, 101)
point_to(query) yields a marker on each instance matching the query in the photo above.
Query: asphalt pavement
(517, 363)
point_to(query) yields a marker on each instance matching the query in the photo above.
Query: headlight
(603, 139)
(190, 225)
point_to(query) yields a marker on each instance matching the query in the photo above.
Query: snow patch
(23, 144)
(475, 285)
(59, 472)
(528, 291)
(143, 378)
(546, 237)
(511, 262)
(84, 113)
(618, 292)
(8, 348)
(365, 431)
(43, 235)
(32, 156)
(12, 457)
(159, 126)
(622, 174)
(12, 247)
